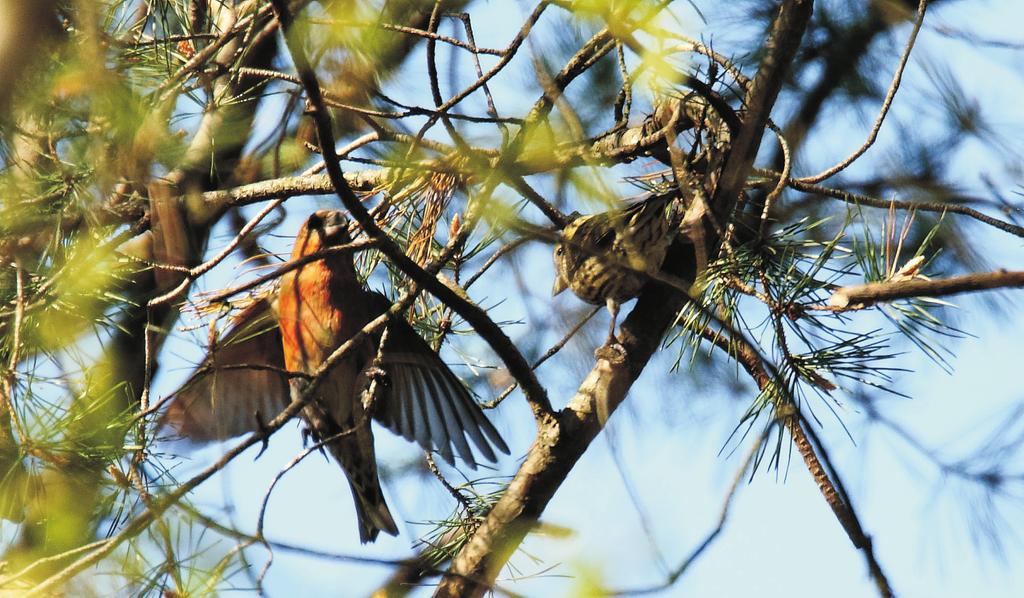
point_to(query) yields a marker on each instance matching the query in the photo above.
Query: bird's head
(323, 229)
(566, 254)
(329, 226)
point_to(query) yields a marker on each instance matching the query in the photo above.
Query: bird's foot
(376, 374)
(378, 380)
(612, 351)
(309, 434)
(264, 431)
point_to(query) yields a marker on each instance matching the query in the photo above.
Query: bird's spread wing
(424, 401)
(224, 398)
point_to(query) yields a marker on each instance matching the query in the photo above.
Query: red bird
(320, 306)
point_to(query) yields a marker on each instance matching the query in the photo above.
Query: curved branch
(886, 104)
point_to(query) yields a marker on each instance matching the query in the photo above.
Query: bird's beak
(334, 227)
(560, 285)
(336, 230)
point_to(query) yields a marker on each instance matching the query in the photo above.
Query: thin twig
(316, 446)
(462, 500)
(824, 475)
(504, 250)
(787, 168)
(509, 54)
(691, 558)
(359, 245)
(886, 104)
(335, 102)
(41, 563)
(555, 348)
(867, 546)
(7, 407)
(471, 46)
(209, 264)
(467, 24)
(875, 202)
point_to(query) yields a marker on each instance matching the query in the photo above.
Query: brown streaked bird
(320, 306)
(607, 258)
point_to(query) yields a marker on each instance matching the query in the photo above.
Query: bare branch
(709, 539)
(824, 476)
(865, 295)
(886, 104)
(875, 202)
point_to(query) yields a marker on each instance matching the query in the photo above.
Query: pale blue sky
(781, 538)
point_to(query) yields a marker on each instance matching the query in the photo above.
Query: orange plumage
(320, 306)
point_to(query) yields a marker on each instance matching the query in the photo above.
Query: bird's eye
(559, 250)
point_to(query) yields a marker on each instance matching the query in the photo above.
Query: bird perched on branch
(607, 258)
(320, 306)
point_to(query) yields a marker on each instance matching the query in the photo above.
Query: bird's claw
(377, 380)
(310, 434)
(612, 352)
(377, 374)
(261, 426)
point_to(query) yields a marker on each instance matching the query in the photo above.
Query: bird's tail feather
(371, 508)
(373, 514)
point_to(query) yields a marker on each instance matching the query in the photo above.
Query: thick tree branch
(783, 41)
(561, 442)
